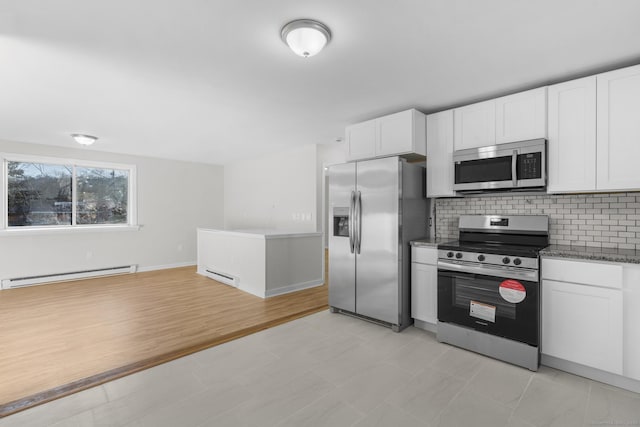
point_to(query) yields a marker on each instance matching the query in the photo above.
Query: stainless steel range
(489, 287)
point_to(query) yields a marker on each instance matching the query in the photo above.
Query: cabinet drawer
(587, 273)
(424, 255)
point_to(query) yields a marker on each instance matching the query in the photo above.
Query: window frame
(132, 217)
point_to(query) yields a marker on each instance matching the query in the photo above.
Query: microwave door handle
(351, 220)
(514, 168)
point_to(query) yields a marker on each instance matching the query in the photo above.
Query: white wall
(174, 198)
(277, 191)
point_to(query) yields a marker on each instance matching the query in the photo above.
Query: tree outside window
(40, 194)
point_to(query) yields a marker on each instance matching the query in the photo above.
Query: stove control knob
(517, 261)
(480, 257)
(506, 260)
(458, 255)
(449, 254)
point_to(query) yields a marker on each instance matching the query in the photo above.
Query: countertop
(630, 256)
(428, 242)
(262, 233)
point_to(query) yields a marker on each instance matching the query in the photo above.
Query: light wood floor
(61, 338)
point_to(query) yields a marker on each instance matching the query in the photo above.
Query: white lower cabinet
(582, 324)
(582, 313)
(631, 335)
(424, 284)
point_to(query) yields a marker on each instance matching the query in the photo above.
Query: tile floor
(333, 370)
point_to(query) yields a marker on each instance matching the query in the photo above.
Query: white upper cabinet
(572, 136)
(361, 139)
(398, 133)
(395, 134)
(618, 129)
(521, 116)
(475, 125)
(440, 154)
(511, 118)
(594, 133)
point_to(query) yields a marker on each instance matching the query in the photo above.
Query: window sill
(39, 231)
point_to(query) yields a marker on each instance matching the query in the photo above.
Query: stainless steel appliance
(376, 207)
(516, 165)
(489, 287)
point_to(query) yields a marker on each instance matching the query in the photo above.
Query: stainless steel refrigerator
(375, 208)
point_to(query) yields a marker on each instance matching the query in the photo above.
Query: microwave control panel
(529, 166)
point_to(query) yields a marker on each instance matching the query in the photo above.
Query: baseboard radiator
(225, 278)
(21, 282)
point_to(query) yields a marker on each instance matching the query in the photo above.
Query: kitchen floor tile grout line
(524, 391)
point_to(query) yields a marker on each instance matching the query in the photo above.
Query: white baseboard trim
(294, 287)
(251, 291)
(591, 373)
(166, 266)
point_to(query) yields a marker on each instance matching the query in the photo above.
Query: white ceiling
(211, 81)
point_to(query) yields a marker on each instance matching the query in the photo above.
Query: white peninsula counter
(262, 262)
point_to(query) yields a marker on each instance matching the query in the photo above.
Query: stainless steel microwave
(515, 165)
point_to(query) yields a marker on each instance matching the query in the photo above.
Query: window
(55, 193)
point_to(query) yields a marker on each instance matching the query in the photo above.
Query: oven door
(496, 305)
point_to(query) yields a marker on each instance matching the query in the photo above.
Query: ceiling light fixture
(83, 139)
(305, 37)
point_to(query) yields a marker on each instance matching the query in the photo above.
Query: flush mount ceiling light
(305, 37)
(83, 139)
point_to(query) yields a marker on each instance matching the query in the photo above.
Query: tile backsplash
(608, 220)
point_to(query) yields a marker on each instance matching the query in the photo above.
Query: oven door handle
(527, 274)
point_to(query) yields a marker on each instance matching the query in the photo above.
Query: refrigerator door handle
(352, 240)
(358, 222)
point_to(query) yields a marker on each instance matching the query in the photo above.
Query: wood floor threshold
(95, 380)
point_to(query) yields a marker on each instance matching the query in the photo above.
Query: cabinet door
(582, 324)
(475, 125)
(618, 129)
(521, 116)
(572, 136)
(631, 295)
(395, 133)
(439, 154)
(361, 140)
(424, 297)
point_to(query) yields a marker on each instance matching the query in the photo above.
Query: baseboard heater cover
(225, 278)
(20, 282)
